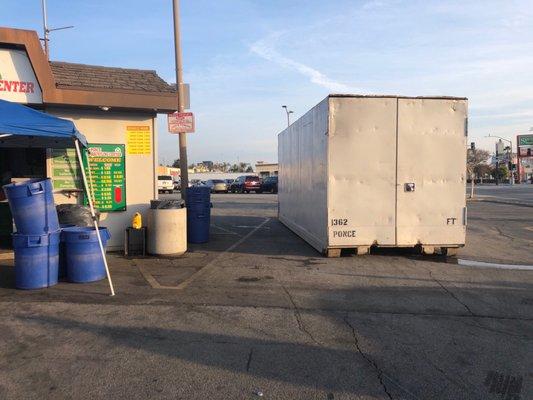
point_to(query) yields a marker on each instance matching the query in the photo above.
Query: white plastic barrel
(167, 231)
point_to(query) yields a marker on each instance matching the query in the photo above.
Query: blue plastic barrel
(82, 253)
(36, 260)
(198, 195)
(32, 206)
(198, 222)
(198, 214)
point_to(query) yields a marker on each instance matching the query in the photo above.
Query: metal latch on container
(409, 187)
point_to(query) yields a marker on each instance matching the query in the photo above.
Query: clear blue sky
(245, 58)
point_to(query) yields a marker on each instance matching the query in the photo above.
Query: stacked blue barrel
(83, 258)
(198, 214)
(46, 250)
(36, 241)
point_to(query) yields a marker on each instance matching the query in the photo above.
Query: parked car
(217, 185)
(246, 184)
(177, 185)
(270, 184)
(165, 184)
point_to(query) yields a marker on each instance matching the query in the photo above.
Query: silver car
(217, 185)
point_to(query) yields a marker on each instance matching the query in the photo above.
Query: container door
(431, 169)
(362, 171)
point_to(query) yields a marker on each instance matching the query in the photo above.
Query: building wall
(265, 170)
(108, 127)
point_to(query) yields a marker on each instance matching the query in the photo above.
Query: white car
(165, 184)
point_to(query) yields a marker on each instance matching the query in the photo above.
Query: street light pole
(288, 115)
(184, 173)
(510, 152)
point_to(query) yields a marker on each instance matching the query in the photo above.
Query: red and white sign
(17, 79)
(181, 122)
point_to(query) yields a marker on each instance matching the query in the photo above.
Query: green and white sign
(65, 170)
(107, 175)
(525, 140)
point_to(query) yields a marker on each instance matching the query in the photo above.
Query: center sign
(17, 79)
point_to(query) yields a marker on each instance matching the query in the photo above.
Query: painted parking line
(205, 269)
(482, 264)
(226, 231)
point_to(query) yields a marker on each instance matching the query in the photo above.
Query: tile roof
(97, 77)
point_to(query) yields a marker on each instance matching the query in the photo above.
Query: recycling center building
(116, 110)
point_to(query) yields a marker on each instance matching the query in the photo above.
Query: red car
(246, 184)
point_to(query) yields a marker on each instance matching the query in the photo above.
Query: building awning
(21, 126)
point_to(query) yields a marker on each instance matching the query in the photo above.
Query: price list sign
(107, 163)
(65, 169)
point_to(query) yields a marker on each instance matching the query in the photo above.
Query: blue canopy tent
(21, 126)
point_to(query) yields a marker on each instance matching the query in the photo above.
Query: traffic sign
(181, 122)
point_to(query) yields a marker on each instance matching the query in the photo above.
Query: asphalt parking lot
(522, 193)
(257, 313)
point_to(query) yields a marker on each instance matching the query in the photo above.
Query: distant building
(208, 165)
(265, 170)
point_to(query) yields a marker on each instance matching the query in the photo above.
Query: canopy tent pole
(90, 200)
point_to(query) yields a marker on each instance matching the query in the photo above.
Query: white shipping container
(358, 171)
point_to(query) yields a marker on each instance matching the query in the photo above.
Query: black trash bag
(75, 214)
(166, 204)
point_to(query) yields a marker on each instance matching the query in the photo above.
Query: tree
(501, 173)
(475, 160)
(482, 170)
(176, 164)
(249, 169)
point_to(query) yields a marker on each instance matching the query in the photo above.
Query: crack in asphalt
(372, 363)
(250, 354)
(476, 324)
(452, 295)
(512, 238)
(380, 373)
(298, 317)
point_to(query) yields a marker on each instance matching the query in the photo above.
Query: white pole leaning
(91, 206)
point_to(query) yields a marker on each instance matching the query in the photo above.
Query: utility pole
(184, 173)
(288, 115)
(472, 177)
(46, 30)
(509, 158)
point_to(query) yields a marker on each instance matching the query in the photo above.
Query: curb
(508, 202)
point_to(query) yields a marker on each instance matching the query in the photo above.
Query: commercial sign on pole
(181, 122)
(525, 140)
(525, 157)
